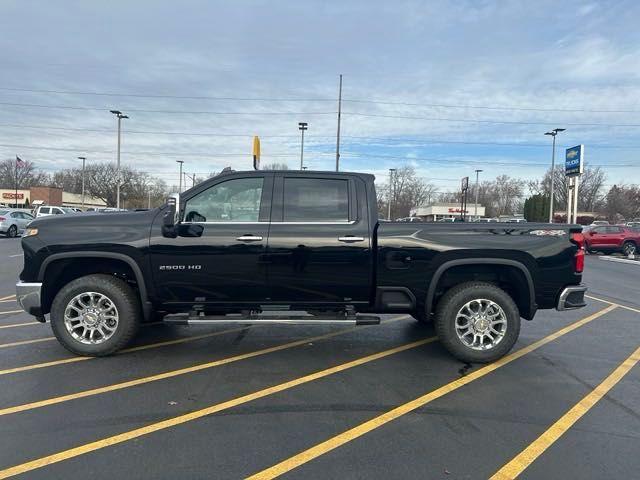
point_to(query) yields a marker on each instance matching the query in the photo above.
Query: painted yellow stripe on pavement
(12, 311)
(174, 373)
(8, 297)
(525, 458)
(613, 303)
(377, 422)
(26, 342)
(65, 361)
(8, 300)
(174, 421)
(14, 325)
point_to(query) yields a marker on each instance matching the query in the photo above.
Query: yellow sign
(256, 153)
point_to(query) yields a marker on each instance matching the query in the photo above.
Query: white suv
(45, 211)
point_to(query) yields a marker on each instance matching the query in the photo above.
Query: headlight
(30, 231)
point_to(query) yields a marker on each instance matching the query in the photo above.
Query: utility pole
(338, 135)
(475, 214)
(83, 162)
(149, 198)
(120, 116)
(180, 181)
(553, 133)
(302, 126)
(391, 190)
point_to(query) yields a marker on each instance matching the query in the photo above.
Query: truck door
(319, 246)
(217, 257)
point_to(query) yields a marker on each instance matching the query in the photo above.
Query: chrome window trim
(350, 222)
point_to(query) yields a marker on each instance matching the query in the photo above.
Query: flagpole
(16, 198)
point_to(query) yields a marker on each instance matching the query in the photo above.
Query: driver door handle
(249, 238)
(350, 239)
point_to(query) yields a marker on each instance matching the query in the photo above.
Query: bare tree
(407, 191)
(25, 173)
(590, 191)
(275, 166)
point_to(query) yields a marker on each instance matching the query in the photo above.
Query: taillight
(578, 240)
(2, 219)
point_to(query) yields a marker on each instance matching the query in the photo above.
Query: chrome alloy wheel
(91, 318)
(481, 324)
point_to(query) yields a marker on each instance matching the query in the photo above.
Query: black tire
(126, 303)
(454, 300)
(629, 248)
(12, 232)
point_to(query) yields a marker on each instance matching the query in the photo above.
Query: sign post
(464, 186)
(256, 153)
(573, 168)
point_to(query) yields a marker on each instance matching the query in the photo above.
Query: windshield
(4, 212)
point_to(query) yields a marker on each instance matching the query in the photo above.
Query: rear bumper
(572, 298)
(28, 297)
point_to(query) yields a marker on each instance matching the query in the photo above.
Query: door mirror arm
(170, 218)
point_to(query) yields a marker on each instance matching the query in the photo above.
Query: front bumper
(572, 298)
(28, 297)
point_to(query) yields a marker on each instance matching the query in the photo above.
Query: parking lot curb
(620, 260)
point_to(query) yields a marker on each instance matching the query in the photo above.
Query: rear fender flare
(479, 261)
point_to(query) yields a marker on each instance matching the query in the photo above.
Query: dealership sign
(13, 196)
(574, 161)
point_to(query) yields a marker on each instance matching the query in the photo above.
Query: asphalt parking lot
(327, 402)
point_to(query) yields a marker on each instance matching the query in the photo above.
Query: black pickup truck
(243, 245)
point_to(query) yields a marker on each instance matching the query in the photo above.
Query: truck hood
(95, 229)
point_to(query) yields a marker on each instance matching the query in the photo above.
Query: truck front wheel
(96, 315)
(477, 322)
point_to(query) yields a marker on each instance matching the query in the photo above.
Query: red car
(612, 238)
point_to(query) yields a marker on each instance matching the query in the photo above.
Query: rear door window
(45, 210)
(316, 200)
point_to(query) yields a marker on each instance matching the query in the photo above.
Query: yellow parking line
(171, 373)
(525, 458)
(8, 297)
(172, 422)
(11, 311)
(8, 300)
(377, 422)
(126, 350)
(27, 342)
(613, 303)
(13, 325)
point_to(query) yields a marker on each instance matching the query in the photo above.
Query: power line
(317, 99)
(195, 112)
(499, 122)
(312, 137)
(486, 107)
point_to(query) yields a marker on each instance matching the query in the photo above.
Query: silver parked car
(13, 221)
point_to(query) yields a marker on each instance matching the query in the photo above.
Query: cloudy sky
(448, 87)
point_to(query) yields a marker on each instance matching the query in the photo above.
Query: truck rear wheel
(96, 315)
(477, 322)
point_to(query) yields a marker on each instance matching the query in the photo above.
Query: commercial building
(439, 211)
(27, 198)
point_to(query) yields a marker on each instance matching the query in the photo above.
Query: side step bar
(187, 319)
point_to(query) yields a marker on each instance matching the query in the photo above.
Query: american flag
(19, 161)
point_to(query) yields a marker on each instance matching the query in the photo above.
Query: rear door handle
(350, 239)
(249, 238)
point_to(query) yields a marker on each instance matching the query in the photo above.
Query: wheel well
(509, 278)
(62, 271)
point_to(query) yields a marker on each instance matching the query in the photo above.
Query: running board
(186, 319)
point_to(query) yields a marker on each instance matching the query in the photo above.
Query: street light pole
(83, 161)
(391, 172)
(180, 181)
(553, 133)
(338, 135)
(120, 116)
(475, 214)
(302, 126)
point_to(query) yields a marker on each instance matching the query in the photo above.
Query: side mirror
(170, 218)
